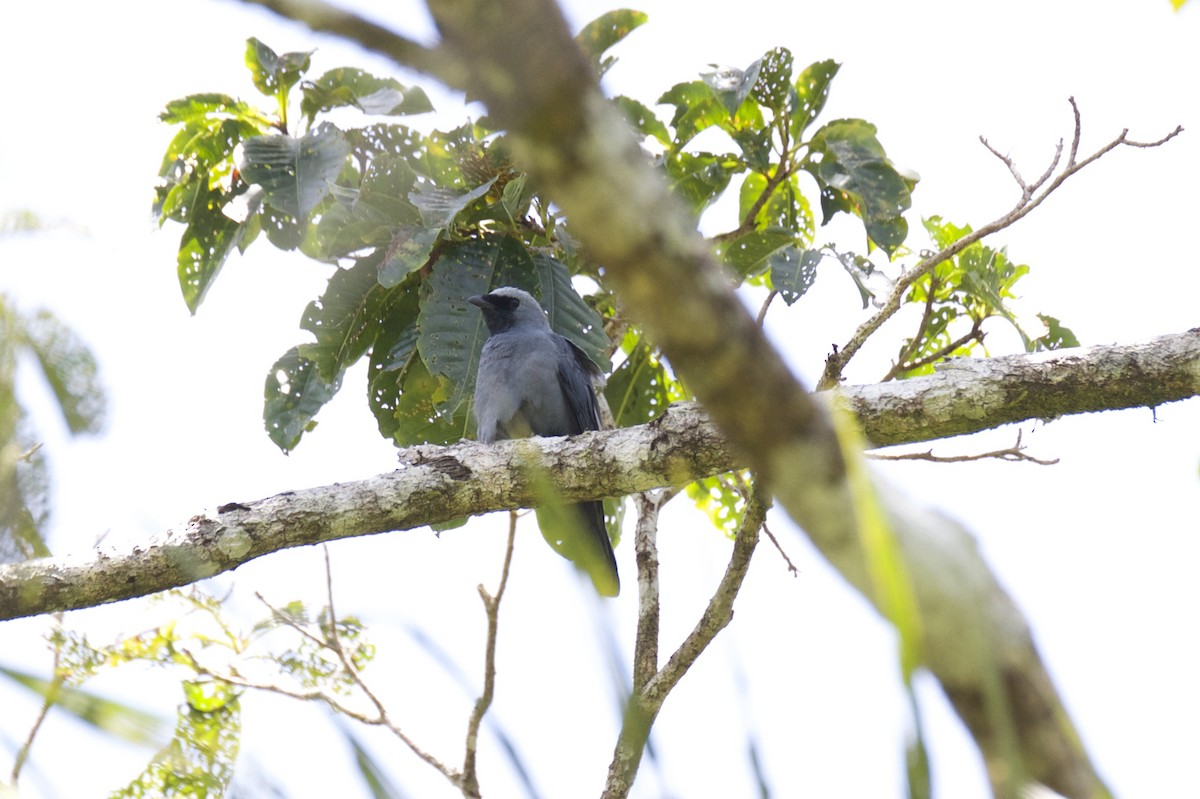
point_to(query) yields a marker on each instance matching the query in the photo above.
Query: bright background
(1099, 550)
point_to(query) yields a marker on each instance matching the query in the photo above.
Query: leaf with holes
(812, 89)
(274, 75)
(295, 173)
(793, 271)
(294, 393)
(773, 85)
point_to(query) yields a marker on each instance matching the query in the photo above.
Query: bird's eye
(509, 303)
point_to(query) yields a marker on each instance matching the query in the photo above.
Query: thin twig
(1013, 453)
(791, 567)
(381, 717)
(48, 701)
(491, 606)
(762, 312)
(974, 334)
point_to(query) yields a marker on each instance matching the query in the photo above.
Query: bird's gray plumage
(532, 381)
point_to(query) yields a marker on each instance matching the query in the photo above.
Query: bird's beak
(479, 302)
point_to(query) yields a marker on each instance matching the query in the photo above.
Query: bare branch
(491, 606)
(836, 362)
(652, 685)
(1014, 453)
(791, 567)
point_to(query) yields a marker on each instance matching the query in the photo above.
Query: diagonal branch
(1031, 198)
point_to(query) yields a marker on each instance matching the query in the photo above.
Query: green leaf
(785, 208)
(295, 173)
(410, 249)
(343, 319)
(605, 31)
(205, 245)
(439, 206)
(748, 256)
(774, 83)
(644, 120)
(452, 331)
(274, 75)
(1056, 336)
(943, 232)
(855, 174)
(700, 178)
(202, 108)
(392, 354)
(641, 388)
(419, 413)
(793, 271)
(378, 214)
(812, 89)
(347, 86)
(697, 107)
(294, 392)
(569, 315)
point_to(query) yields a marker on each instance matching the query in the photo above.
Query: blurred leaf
(860, 269)
(373, 774)
(294, 393)
(855, 175)
(348, 86)
(605, 31)
(812, 89)
(295, 173)
(199, 760)
(644, 121)
(70, 370)
(419, 413)
(106, 715)
(274, 75)
(793, 271)
(890, 583)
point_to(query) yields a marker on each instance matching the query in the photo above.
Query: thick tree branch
(437, 484)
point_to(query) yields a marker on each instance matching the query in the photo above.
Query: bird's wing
(576, 384)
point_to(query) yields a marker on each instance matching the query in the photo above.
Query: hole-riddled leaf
(295, 173)
(294, 393)
(812, 89)
(793, 271)
(272, 73)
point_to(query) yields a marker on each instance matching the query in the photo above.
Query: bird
(533, 382)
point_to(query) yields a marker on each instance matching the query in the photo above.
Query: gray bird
(532, 381)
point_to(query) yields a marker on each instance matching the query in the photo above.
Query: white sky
(1099, 550)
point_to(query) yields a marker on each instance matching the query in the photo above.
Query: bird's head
(510, 308)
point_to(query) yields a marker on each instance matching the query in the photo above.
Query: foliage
(69, 370)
